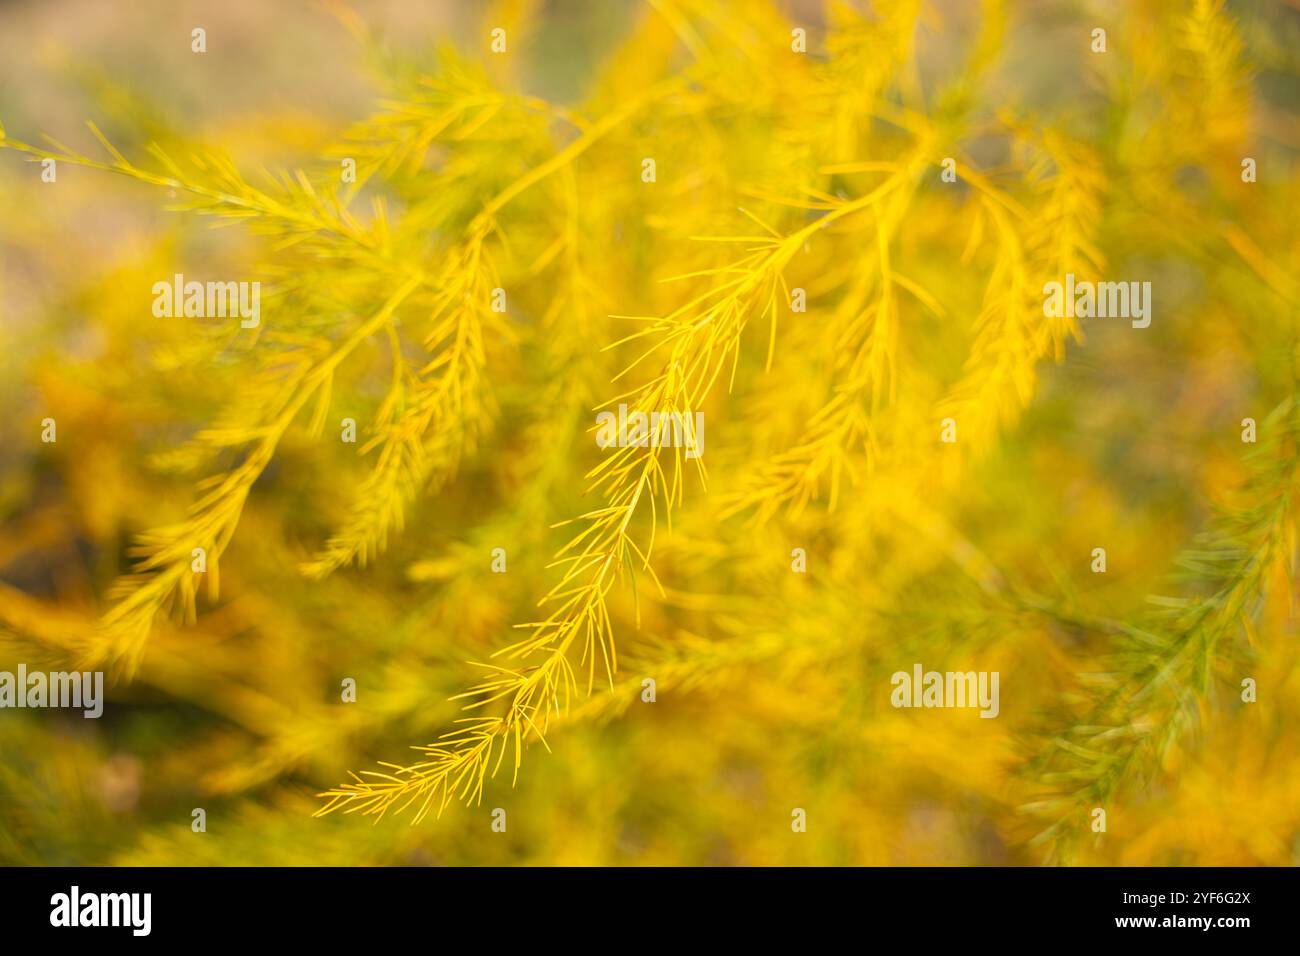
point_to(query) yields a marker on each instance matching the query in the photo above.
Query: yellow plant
(827, 233)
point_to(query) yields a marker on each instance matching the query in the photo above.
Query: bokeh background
(773, 686)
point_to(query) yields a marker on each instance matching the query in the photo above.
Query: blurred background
(777, 690)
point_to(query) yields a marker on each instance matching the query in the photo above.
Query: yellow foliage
(837, 257)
